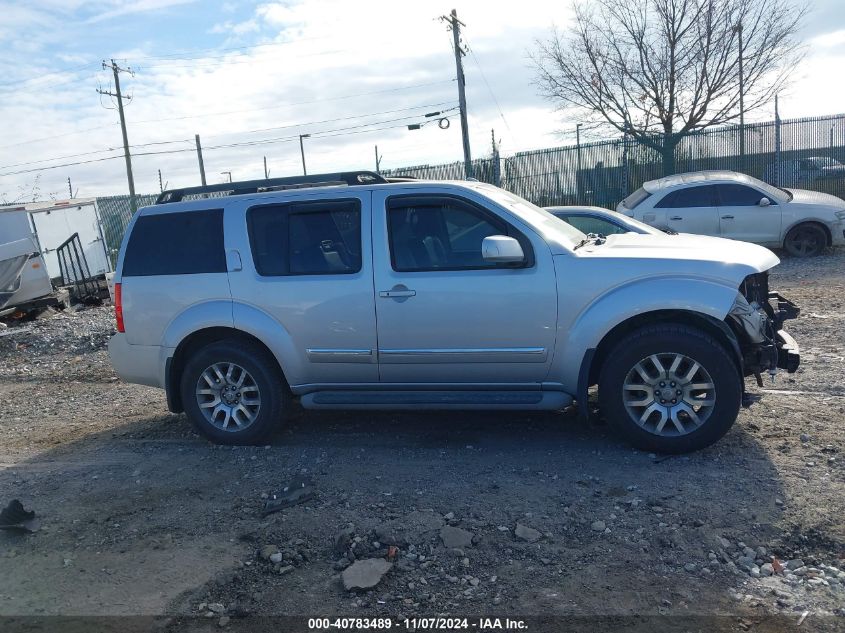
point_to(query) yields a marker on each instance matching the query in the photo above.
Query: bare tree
(660, 69)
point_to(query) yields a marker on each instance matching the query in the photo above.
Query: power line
(91, 153)
(293, 125)
(489, 89)
(45, 75)
(347, 131)
(54, 136)
(348, 118)
(298, 103)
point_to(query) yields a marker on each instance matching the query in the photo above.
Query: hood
(816, 198)
(698, 254)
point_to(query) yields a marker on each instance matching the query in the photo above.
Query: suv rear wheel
(233, 392)
(670, 389)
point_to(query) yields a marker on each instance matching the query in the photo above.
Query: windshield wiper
(596, 238)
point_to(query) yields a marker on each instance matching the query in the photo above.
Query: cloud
(235, 28)
(351, 74)
(829, 40)
(122, 8)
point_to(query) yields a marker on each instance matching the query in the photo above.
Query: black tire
(668, 341)
(264, 373)
(805, 240)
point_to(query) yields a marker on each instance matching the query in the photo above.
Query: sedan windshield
(776, 194)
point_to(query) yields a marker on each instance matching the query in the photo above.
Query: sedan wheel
(805, 240)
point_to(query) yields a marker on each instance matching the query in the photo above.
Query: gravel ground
(491, 514)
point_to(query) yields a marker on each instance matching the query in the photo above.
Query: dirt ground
(140, 516)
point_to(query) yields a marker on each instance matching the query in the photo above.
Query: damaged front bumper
(757, 318)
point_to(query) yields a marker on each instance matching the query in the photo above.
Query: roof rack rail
(350, 178)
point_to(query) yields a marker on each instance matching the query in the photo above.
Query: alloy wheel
(228, 396)
(669, 394)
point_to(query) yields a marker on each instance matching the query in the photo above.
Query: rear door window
(184, 243)
(700, 196)
(306, 238)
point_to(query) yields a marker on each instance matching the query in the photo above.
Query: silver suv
(350, 291)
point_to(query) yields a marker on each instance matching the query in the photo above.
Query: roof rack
(349, 178)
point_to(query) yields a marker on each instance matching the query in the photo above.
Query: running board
(459, 400)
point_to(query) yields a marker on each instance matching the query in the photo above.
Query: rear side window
(635, 198)
(701, 196)
(307, 238)
(185, 243)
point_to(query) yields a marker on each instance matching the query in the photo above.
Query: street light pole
(578, 170)
(738, 30)
(302, 151)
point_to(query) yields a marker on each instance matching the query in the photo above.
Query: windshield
(774, 193)
(635, 198)
(826, 161)
(525, 208)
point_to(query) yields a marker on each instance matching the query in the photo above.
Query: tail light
(118, 308)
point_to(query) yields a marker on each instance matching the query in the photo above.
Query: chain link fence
(801, 153)
(115, 213)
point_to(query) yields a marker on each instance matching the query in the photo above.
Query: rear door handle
(676, 217)
(727, 217)
(397, 293)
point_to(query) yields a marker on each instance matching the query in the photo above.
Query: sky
(251, 77)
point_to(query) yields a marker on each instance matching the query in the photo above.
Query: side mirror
(764, 202)
(501, 249)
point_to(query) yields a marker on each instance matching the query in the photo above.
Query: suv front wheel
(670, 389)
(233, 392)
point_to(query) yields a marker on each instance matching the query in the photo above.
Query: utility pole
(116, 70)
(199, 157)
(266, 173)
(497, 171)
(302, 151)
(738, 30)
(70, 189)
(378, 161)
(160, 186)
(455, 25)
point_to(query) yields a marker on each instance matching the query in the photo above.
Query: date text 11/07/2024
(419, 624)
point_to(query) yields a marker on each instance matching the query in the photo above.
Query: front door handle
(676, 217)
(397, 293)
(727, 217)
(400, 292)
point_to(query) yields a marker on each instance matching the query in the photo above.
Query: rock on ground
(526, 533)
(364, 574)
(455, 538)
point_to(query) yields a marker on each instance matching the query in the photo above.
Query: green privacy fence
(115, 213)
(800, 153)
